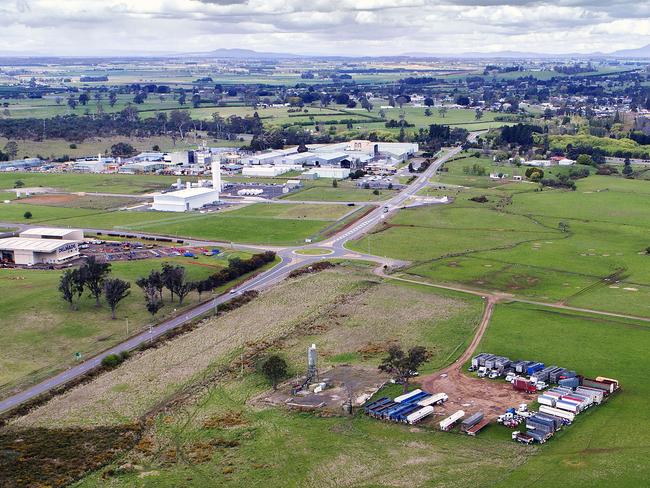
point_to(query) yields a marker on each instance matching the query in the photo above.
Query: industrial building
(53, 233)
(190, 198)
(327, 172)
(29, 251)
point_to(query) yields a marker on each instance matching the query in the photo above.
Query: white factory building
(190, 198)
(352, 154)
(29, 251)
(53, 233)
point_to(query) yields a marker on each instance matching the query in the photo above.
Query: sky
(329, 27)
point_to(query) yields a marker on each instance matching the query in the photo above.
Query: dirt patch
(225, 420)
(353, 383)
(492, 397)
(45, 199)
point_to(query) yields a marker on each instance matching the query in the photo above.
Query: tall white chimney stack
(216, 175)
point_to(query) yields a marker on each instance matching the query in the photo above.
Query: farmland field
(98, 183)
(259, 223)
(41, 333)
(345, 194)
(339, 308)
(59, 148)
(514, 243)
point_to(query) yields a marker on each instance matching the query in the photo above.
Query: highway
(289, 261)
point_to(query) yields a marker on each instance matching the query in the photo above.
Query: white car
(511, 377)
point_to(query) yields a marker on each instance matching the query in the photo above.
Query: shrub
(114, 360)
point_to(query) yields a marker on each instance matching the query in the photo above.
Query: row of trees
(174, 279)
(93, 276)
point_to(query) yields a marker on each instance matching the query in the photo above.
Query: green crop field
(58, 148)
(606, 446)
(279, 448)
(514, 242)
(259, 223)
(41, 333)
(97, 183)
(329, 194)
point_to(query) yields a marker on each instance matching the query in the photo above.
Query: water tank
(311, 358)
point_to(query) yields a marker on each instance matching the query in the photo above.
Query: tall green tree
(275, 369)
(403, 366)
(71, 286)
(93, 276)
(115, 290)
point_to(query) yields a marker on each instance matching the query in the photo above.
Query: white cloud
(321, 26)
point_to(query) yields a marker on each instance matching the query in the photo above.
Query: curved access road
(289, 261)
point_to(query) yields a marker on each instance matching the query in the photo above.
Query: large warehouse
(53, 233)
(184, 200)
(28, 251)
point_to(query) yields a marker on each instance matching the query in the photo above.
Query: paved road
(289, 261)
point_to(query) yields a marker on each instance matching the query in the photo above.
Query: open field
(606, 446)
(258, 223)
(345, 311)
(42, 334)
(94, 183)
(514, 244)
(340, 194)
(271, 445)
(59, 148)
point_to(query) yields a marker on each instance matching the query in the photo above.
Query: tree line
(94, 277)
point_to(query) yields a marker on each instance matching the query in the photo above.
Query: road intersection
(289, 261)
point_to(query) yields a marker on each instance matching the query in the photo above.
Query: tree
(19, 184)
(180, 118)
(71, 286)
(275, 369)
(335, 184)
(478, 115)
(171, 276)
(203, 286)
(93, 276)
(11, 148)
(154, 305)
(83, 98)
(123, 149)
(585, 159)
(28, 215)
(428, 102)
(139, 98)
(401, 100)
(152, 285)
(182, 98)
(442, 111)
(627, 170)
(183, 288)
(428, 112)
(404, 366)
(112, 98)
(115, 290)
(72, 102)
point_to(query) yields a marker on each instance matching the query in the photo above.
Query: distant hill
(642, 52)
(242, 54)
